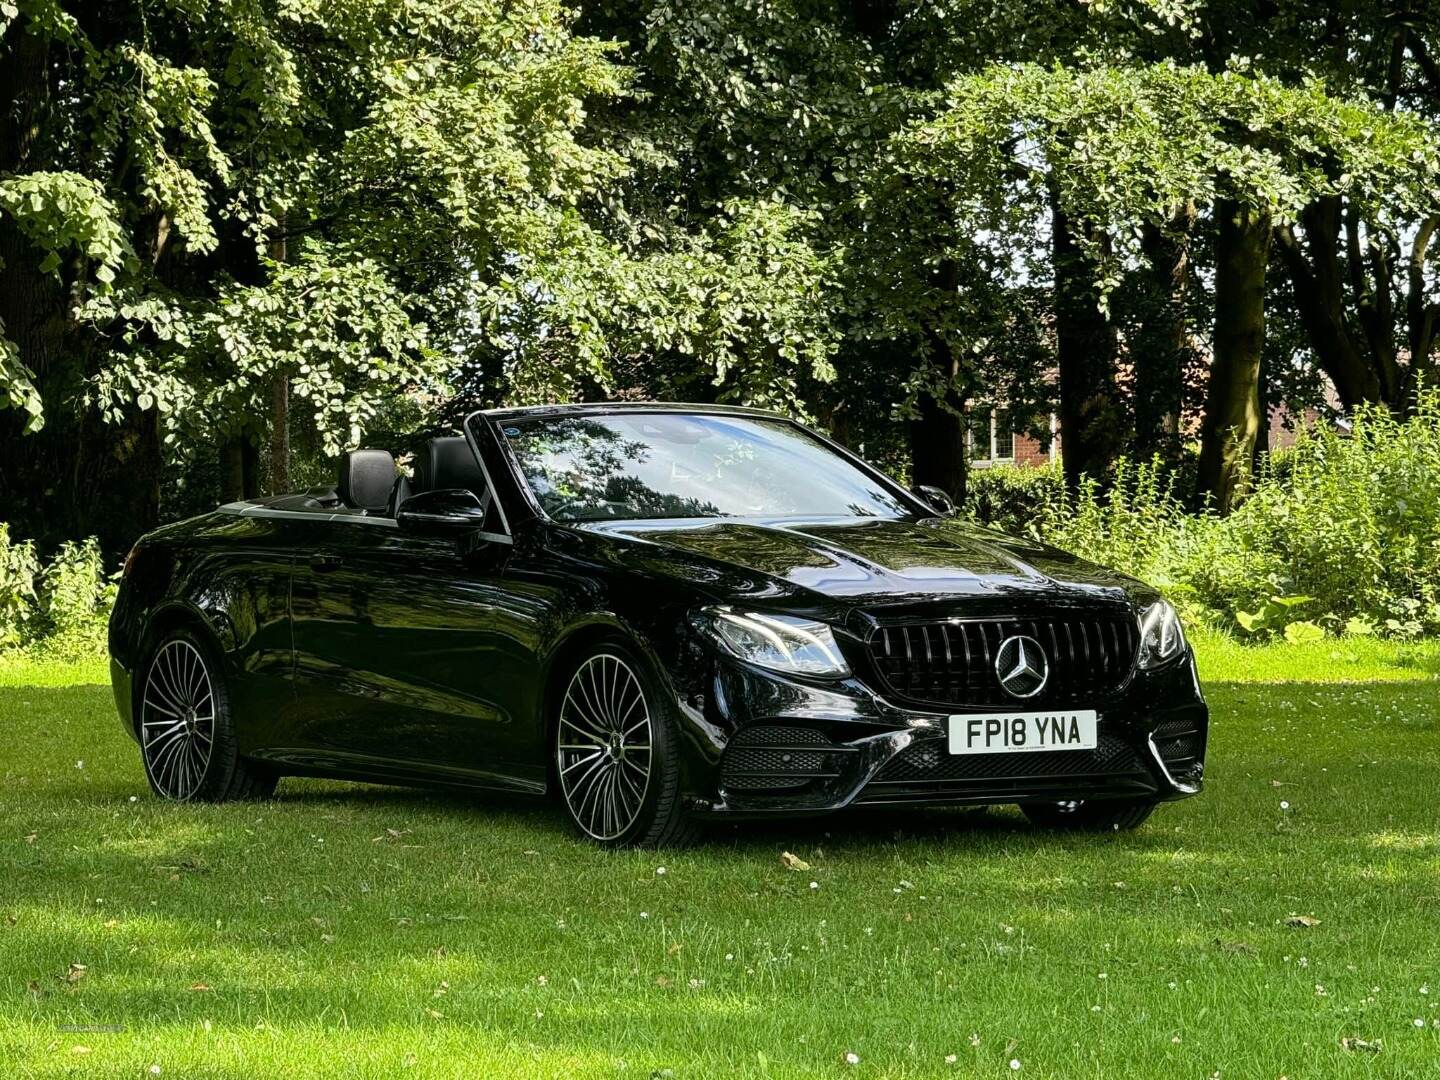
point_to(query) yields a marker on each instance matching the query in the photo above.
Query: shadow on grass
(858, 827)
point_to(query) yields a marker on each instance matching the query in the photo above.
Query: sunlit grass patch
(351, 930)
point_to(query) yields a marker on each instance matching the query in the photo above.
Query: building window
(977, 435)
(1002, 442)
(989, 437)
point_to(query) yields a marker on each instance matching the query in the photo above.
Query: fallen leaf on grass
(199, 988)
(793, 862)
(1303, 921)
(1369, 1046)
(79, 1049)
(75, 973)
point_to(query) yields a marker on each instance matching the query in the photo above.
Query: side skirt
(338, 765)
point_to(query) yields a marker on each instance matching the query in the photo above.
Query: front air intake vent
(774, 758)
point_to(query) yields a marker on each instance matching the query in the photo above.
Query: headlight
(779, 642)
(1161, 636)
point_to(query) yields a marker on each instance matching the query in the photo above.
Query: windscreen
(689, 465)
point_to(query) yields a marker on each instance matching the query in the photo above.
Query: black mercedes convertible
(660, 614)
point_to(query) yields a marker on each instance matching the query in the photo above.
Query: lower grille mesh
(1181, 744)
(928, 762)
(770, 757)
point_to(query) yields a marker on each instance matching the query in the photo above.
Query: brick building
(991, 440)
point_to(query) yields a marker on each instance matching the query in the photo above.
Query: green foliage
(1012, 497)
(750, 303)
(336, 328)
(18, 570)
(59, 607)
(75, 596)
(1118, 145)
(1339, 533)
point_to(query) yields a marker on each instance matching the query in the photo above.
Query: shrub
(1342, 531)
(18, 569)
(75, 597)
(1011, 497)
(61, 605)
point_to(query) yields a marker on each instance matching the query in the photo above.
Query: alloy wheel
(177, 719)
(604, 750)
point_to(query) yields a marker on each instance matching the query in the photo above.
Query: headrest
(366, 477)
(446, 463)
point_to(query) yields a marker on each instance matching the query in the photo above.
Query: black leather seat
(401, 491)
(446, 463)
(366, 480)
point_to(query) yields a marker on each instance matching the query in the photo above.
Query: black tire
(186, 730)
(1106, 815)
(596, 752)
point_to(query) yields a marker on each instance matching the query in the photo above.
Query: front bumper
(772, 746)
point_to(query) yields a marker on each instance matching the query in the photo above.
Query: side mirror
(441, 513)
(938, 498)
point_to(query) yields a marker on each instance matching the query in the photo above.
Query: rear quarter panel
(226, 578)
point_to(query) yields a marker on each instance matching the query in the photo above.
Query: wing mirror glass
(938, 499)
(440, 513)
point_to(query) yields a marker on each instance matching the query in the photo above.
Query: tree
(1110, 152)
(416, 163)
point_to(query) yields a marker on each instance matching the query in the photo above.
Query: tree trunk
(1232, 407)
(1320, 301)
(280, 435)
(232, 470)
(250, 467)
(937, 435)
(1421, 315)
(937, 448)
(279, 398)
(1091, 428)
(1163, 344)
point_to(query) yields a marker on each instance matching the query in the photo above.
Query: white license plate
(1018, 732)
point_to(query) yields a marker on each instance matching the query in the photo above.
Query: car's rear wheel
(187, 738)
(615, 753)
(1106, 815)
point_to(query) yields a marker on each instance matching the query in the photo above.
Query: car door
(415, 655)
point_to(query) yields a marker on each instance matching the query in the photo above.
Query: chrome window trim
(250, 510)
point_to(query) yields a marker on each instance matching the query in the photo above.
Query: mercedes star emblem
(1021, 666)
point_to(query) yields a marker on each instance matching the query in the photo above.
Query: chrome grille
(952, 662)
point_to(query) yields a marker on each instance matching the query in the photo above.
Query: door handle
(323, 564)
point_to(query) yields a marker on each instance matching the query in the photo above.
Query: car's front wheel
(1108, 815)
(187, 738)
(616, 754)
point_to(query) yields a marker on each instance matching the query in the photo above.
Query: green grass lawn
(363, 931)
